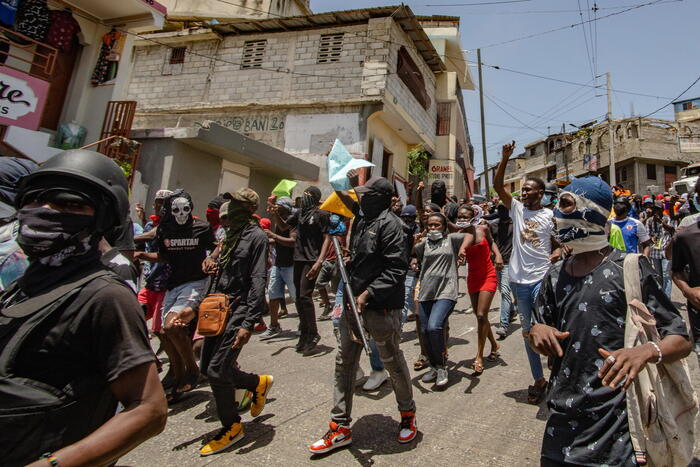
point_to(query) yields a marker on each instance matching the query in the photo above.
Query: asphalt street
(475, 421)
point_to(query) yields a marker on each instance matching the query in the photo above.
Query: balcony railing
(18, 49)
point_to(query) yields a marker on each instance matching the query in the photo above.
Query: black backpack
(35, 417)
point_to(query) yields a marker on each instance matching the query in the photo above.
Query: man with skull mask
(377, 271)
(183, 242)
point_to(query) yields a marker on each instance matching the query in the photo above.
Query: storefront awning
(235, 147)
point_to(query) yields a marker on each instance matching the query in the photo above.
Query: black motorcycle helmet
(551, 188)
(100, 176)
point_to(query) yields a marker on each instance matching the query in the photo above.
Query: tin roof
(403, 16)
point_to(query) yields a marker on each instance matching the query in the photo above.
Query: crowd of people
(75, 328)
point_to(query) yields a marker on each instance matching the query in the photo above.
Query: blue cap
(409, 210)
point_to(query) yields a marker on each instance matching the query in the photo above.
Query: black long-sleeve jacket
(379, 260)
(244, 279)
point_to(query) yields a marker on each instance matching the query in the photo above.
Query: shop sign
(22, 99)
(689, 143)
(441, 169)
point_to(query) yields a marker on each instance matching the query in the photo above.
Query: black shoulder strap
(9, 352)
(36, 303)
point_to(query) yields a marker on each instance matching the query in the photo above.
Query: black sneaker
(301, 344)
(312, 343)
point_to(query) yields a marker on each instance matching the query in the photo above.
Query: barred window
(329, 48)
(253, 54)
(411, 76)
(177, 55)
(443, 118)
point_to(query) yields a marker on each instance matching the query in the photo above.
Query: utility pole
(483, 125)
(563, 151)
(611, 135)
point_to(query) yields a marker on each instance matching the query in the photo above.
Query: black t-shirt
(309, 234)
(285, 254)
(686, 253)
(185, 249)
(99, 334)
(588, 422)
(502, 232)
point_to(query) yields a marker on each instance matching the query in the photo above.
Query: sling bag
(662, 406)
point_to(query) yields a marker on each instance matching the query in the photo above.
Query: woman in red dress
(482, 282)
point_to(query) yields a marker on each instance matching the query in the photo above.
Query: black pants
(219, 364)
(304, 300)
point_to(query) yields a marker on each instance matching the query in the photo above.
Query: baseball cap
(409, 211)
(162, 194)
(244, 194)
(223, 210)
(622, 200)
(286, 202)
(377, 184)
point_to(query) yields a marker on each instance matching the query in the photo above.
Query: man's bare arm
(498, 183)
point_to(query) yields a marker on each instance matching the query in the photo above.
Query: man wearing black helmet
(71, 327)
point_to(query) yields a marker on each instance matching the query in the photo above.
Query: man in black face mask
(71, 326)
(377, 271)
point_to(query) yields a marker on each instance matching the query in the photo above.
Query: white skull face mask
(181, 209)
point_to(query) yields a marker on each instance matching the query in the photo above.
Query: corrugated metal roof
(403, 16)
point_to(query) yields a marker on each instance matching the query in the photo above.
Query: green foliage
(418, 162)
(126, 167)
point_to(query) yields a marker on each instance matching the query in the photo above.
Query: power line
(568, 26)
(585, 40)
(512, 116)
(673, 100)
(480, 3)
(533, 75)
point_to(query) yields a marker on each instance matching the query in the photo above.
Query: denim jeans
(384, 327)
(408, 303)
(526, 294)
(433, 318)
(374, 359)
(662, 267)
(506, 296)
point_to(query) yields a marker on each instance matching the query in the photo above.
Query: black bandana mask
(51, 236)
(373, 203)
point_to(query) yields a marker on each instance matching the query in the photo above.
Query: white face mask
(6, 210)
(463, 224)
(180, 210)
(435, 235)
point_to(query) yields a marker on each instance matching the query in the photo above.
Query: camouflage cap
(246, 195)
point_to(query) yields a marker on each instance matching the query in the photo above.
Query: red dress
(481, 275)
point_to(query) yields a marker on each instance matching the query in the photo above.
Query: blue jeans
(409, 290)
(374, 360)
(526, 295)
(433, 318)
(662, 267)
(506, 296)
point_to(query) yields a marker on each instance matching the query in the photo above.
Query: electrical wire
(568, 26)
(480, 3)
(585, 40)
(513, 116)
(673, 100)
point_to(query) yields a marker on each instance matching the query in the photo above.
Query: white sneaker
(359, 375)
(429, 375)
(375, 380)
(442, 377)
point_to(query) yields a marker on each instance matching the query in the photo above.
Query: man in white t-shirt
(534, 250)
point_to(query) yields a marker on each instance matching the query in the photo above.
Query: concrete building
(372, 78)
(198, 10)
(687, 110)
(59, 78)
(647, 154)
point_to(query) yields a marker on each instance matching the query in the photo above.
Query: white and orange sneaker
(336, 437)
(408, 429)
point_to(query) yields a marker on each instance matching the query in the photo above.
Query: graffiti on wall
(248, 124)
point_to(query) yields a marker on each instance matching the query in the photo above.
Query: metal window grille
(330, 48)
(177, 55)
(443, 119)
(253, 54)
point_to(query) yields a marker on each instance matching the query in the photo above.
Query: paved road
(476, 421)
